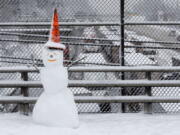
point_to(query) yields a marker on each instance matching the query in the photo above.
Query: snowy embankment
(95, 124)
(110, 35)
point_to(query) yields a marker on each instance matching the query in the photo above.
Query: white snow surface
(96, 124)
(138, 59)
(110, 35)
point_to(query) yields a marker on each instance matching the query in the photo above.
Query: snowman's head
(53, 54)
(53, 50)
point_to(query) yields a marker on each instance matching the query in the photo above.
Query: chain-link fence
(155, 41)
(90, 29)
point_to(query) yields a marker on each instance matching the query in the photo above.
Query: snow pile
(96, 124)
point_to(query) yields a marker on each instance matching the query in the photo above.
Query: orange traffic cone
(55, 33)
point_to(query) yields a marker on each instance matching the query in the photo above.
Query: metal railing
(22, 24)
(24, 84)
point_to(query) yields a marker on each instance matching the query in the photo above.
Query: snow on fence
(147, 100)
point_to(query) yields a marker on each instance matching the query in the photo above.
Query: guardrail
(99, 69)
(99, 99)
(147, 100)
(97, 83)
(61, 23)
(88, 23)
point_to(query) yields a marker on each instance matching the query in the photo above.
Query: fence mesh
(145, 45)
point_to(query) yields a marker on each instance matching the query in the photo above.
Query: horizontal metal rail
(152, 23)
(61, 24)
(98, 99)
(17, 99)
(21, 58)
(124, 83)
(66, 43)
(84, 38)
(28, 62)
(32, 30)
(24, 41)
(125, 69)
(95, 44)
(17, 69)
(152, 47)
(100, 64)
(62, 37)
(126, 99)
(98, 83)
(22, 24)
(99, 69)
(152, 42)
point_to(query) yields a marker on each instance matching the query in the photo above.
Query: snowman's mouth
(56, 48)
(51, 60)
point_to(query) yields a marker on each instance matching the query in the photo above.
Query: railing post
(24, 107)
(122, 48)
(148, 106)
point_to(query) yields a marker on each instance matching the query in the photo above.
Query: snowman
(56, 105)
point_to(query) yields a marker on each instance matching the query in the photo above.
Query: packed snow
(96, 124)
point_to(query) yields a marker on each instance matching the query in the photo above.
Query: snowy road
(96, 124)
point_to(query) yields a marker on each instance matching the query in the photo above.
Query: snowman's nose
(51, 56)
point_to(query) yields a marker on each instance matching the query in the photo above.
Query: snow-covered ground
(110, 35)
(95, 124)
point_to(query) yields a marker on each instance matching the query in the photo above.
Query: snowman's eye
(51, 56)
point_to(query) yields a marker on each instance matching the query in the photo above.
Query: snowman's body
(56, 105)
